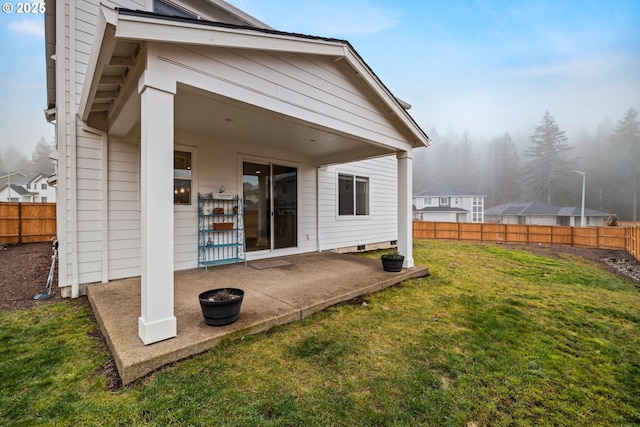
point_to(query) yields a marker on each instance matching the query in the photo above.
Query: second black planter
(392, 264)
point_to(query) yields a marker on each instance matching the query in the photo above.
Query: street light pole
(584, 178)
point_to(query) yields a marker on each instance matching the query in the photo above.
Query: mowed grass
(493, 337)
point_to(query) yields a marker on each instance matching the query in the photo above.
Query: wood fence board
(614, 238)
(22, 222)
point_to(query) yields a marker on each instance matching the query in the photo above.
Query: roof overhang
(116, 62)
(50, 58)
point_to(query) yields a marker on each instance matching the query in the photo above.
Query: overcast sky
(483, 66)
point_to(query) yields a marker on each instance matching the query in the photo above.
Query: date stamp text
(23, 8)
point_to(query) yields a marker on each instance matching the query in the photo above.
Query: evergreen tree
(548, 167)
(626, 142)
(40, 161)
(504, 185)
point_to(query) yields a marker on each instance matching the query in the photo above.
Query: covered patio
(277, 291)
(227, 98)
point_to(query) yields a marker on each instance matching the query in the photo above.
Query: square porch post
(405, 214)
(157, 321)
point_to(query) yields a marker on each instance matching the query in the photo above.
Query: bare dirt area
(24, 269)
(618, 262)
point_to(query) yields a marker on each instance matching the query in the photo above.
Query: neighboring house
(145, 103)
(538, 213)
(10, 177)
(34, 188)
(16, 193)
(448, 205)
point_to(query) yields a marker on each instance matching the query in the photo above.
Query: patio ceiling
(115, 108)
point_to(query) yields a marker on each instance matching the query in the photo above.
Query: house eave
(100, 56)
(122, 25)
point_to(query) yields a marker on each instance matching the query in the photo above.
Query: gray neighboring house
(448, 205)
(539, 213)
(33, 188)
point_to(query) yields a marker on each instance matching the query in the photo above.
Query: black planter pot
(393, 265)
(220, 313)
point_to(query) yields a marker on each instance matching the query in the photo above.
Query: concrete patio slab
(273, 296)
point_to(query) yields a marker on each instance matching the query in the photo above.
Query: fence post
(19, 222)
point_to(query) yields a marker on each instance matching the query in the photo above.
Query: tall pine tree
(626, 142)
(549, 166)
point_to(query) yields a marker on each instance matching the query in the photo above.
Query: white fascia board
(100, 55)
(163, 30)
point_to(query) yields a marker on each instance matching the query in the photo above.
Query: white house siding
(89, 193)
(309, 87)
(218, 163)
(78, 156)
(380, 225)
(124, 210)
(214, 165)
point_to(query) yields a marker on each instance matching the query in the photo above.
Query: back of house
(204, 98)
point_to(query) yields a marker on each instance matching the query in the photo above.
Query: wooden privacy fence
(616, 238)
(23, 222)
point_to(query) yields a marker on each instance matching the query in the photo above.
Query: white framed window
(43, 186)
(444, 201)
(43, 199)
(182, 178)
(353, 195)
(477, 209)
(427, 201)
(163, 7)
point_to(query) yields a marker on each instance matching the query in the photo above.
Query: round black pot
(220, 313)
(393, 265)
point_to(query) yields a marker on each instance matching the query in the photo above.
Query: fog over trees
(504, 168)
(14, 160)
(538, 166)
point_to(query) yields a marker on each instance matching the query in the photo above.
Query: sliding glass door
(270, 194)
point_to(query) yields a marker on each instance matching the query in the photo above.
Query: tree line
(541, 166)
(13, 160)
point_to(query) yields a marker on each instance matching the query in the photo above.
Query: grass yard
(493, 337)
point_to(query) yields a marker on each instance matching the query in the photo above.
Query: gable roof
(439, 209)
(19, 190)
(445, 192)
(129, 26)
(539, 209)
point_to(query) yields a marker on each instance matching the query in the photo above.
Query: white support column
(157, 321)
(405, 215)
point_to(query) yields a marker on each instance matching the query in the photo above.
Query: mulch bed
(24, 269)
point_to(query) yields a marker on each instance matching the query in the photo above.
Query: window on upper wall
(444, 201)
(43, 186)
(353, 195)
(163, 7)
(43, 199)
(477, 209)
(181, 178)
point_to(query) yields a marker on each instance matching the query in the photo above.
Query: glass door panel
(270, 194)
(285, 207)
(256, 189)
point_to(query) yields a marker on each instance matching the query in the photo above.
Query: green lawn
(492, 337)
